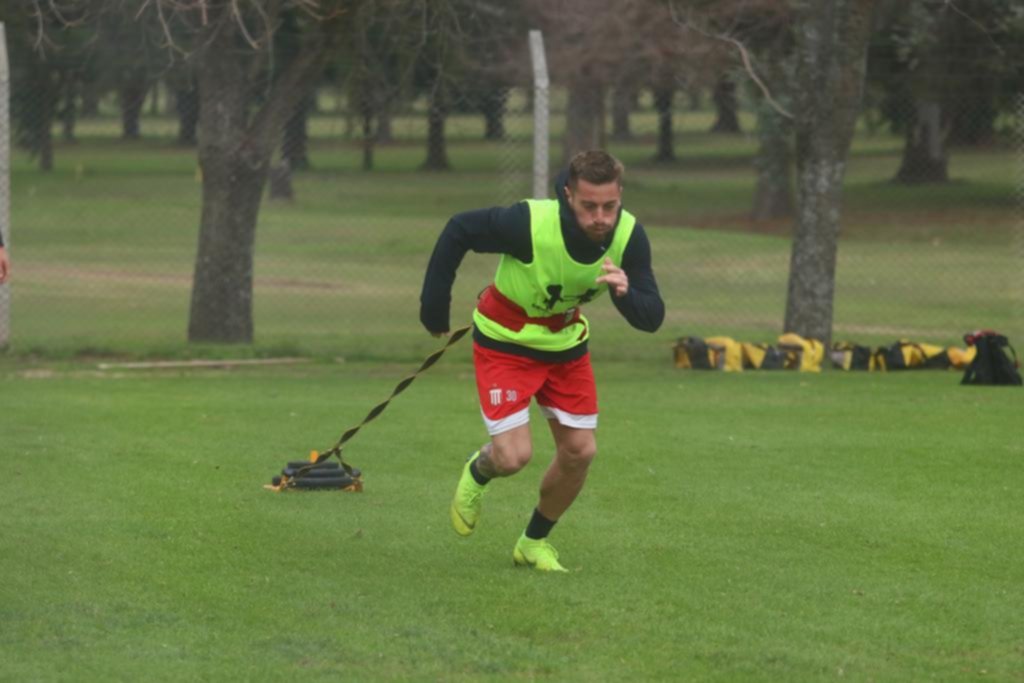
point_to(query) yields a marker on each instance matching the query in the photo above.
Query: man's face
(596, 207)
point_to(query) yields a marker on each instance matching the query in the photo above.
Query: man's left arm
(641, 304)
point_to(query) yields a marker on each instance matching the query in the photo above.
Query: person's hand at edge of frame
(615, 278)
(5, 265)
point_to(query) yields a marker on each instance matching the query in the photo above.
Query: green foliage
(46, 57)
(967, 56)
(762, 527)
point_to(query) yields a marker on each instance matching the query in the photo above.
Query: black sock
(539, 526)
(480, 479)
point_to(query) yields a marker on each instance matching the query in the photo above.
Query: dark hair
(595, 166)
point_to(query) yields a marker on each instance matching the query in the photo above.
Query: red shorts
(565, 391)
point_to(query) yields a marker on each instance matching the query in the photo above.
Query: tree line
(244, 74)
(939, 73)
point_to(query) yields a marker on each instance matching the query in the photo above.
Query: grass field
(104, 246)
(748, 527)
(754, 527)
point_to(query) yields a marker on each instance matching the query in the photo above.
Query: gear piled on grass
(317, 476)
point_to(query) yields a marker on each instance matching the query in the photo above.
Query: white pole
(1019, 232)
(541, 115)
(5, 186)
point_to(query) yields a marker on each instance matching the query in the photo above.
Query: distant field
(760, 527)
(104, 245)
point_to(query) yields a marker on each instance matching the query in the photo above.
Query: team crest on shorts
(508, 395)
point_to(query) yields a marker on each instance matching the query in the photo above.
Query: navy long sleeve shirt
(506, 230)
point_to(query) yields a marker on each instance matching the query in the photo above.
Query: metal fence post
(541, 115)
(1018, 230)
(5, 187)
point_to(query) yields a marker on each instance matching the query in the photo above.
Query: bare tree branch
(236, 13)
(744, 56)
(985, 31)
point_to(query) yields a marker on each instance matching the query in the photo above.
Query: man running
(529, 337)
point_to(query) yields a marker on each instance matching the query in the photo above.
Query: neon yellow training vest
(552, 283)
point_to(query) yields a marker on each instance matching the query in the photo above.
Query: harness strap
(402, 386)
(507, 313)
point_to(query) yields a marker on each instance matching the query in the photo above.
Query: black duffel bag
(995, 361)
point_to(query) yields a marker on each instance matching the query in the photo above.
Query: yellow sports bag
(712, 353)
(908, 355)
(961, 358)
(851, 356)
(761, 356)
(801, 354)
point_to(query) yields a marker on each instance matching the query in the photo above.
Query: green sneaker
(536, 554)
(465, 508)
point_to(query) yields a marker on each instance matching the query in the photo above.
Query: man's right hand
(5, 265)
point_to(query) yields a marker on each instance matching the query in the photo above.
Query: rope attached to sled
(298, 475)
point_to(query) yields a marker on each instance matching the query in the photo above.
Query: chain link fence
(103, 242)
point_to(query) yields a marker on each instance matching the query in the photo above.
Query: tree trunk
(68, 112)
(600, 114)
(726, 107)
(368, 139)
(90, 99)
(368, 110)
(693, 95)
(581, 123)
(623, 101)
(925, 159)
(43, 134)
(973, 116)
(133, 98)
(34, 108)
(773, 198)
(437, 147)
(234, 167)
(294, 142)
(280, 182)
(186, 102)
(493, 107)
(831, 52)
(384, 118)
(235, 144)
(663, 105)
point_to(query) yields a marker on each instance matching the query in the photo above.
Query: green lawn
(758, 526)
(755, 527)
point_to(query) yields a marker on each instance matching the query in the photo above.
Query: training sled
(317, 475)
